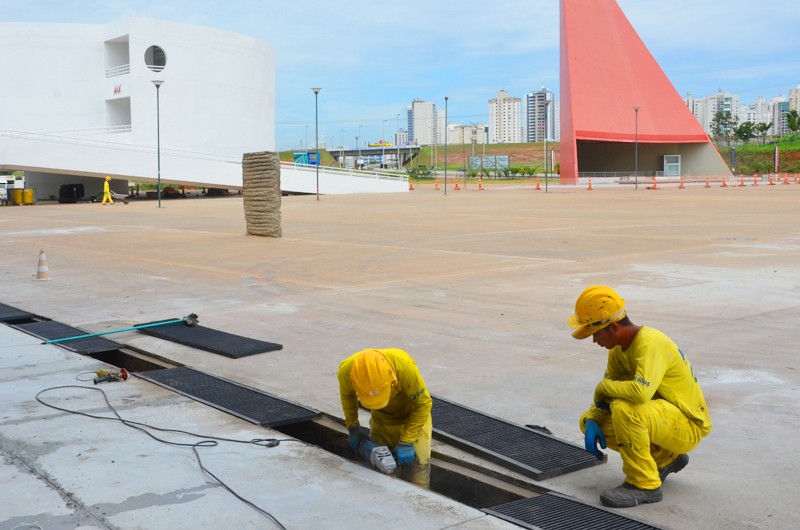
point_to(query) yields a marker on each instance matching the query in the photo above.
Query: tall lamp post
(636, 150)
(445, 144)
(546, 103)
(397, 139)
(158, 84)
(316, 131)
(383, 146)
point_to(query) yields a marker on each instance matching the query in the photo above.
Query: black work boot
(628, 496)
(676, 465)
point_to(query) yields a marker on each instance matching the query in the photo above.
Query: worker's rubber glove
(405, 453)
(593, 436)
(357, 433)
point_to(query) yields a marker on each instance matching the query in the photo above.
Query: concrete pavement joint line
(68, 497)
(434, 250)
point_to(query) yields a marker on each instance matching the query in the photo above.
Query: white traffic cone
(41, 271)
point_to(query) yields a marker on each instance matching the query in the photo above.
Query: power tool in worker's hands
(378, 455)
(108, 375)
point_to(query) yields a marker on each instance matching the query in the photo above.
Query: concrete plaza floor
(475, 285)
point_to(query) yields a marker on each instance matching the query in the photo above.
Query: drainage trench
(449, 477)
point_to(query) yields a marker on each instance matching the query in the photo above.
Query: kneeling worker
(389, 384)
(648, 406)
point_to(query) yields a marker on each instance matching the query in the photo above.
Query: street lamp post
(397, 139)
(445, 144)
(546, 103)
(636, 150)
(383, 144)
(316, 131)
(158, 84)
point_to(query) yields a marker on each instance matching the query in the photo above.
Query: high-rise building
(505, 124)
(794, 98)
(425, 124)
(541, 109)
(465, 134)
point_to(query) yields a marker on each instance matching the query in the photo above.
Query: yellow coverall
(406, 418)
(107, 193)
(657, 407)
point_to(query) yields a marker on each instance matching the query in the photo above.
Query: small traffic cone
(741, 182)
(707, 185)
(655, 184)
(410, 185)
(681, 186)
(537, 185)
(456, 186)
(41, 270)
(437, 184)
(480, 183)
(786, 179)
(755, 180)
(771, 182)
(590, 185)
(724, 183)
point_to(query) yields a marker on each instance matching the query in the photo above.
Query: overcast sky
(372, 58)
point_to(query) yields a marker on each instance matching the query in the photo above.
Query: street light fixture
(546, 104)
(445, 144)
(397, 139)
(316, 131)
(383, 145)
(158, 84)
(636, 150)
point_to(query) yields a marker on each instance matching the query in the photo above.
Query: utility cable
(206, 441)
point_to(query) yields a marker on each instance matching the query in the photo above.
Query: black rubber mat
(9, 314)
(529, 452)
(241, 401)
(211, 340)
(553, 511)
(49, 330)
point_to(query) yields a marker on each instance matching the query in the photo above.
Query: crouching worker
(648, 406)
(389, 384)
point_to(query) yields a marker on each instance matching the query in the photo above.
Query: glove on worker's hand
(405, 453)
(593, 436)
(357, 433)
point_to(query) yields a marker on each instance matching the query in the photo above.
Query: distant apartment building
(794, 98)
(466, 134)
(425, 123)
(780, 108)
(705, 108)
(505, 123)
(401, 137)
(541, 116)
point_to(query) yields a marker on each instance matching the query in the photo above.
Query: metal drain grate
(529, 452)
(9, 314)
(241, 401)
(212, 340)
(554, 511)
(49, 330)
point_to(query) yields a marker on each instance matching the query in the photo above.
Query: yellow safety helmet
(596, 307)
(108, 178)
(372, 376)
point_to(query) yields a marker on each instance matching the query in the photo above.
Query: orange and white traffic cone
(707, 185)
(755, 180)
(786, 179)
(410, 185)
(41, 270)
(724, 183)
(456, 186)
(590, 185)
(681, 186)
(480, 183)
(537, 185)
(437, 184)
(741, 182)
(771, 182)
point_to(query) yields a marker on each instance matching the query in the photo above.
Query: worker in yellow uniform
(389, 383)
(649, 405)
(107, 191)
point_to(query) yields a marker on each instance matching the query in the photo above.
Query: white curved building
(79, 103)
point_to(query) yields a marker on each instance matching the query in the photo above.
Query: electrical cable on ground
(206, 441)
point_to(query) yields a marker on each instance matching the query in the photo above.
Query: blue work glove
(593, 436)
(405, 453)
(357, 433)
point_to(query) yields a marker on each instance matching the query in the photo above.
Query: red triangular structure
(606, 71)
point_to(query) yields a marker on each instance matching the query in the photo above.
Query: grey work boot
(676, 465)
(628, 496)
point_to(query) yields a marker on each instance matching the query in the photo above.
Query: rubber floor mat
(527, 451)
(553, 511)
(211, 340)
(9, 314)
(49, 330)
(243, 402)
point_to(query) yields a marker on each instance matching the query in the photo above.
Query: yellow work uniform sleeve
(347, 394)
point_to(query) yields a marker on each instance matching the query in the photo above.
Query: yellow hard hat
(372, 376)
(596, 307)
(108, 178)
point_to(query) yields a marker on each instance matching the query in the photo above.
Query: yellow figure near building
(107, 191)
